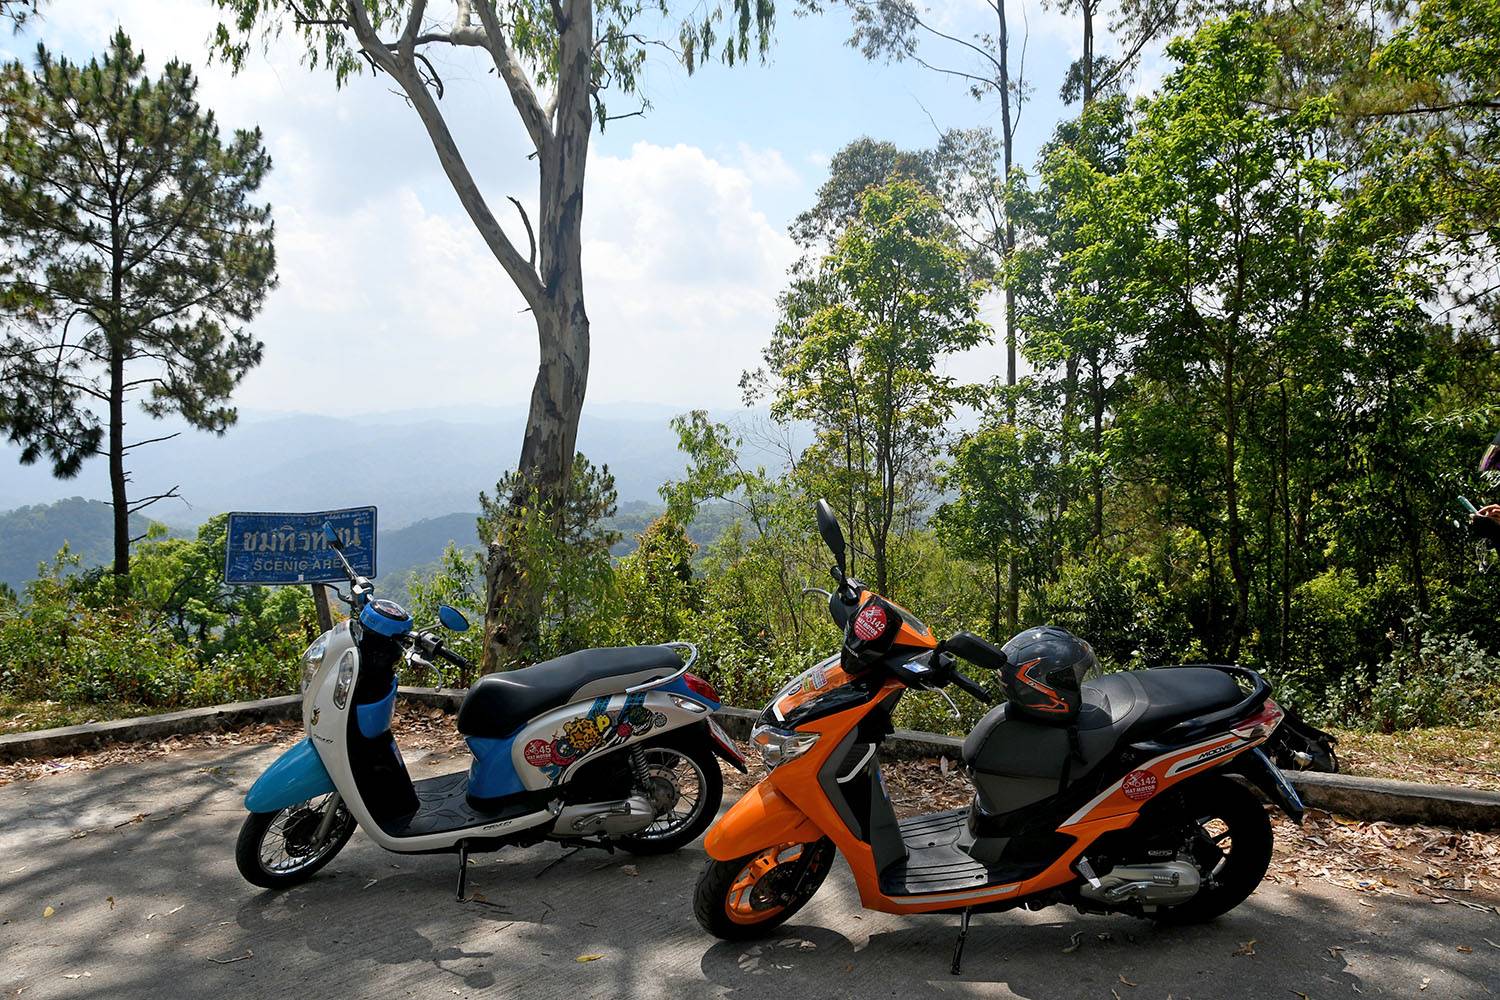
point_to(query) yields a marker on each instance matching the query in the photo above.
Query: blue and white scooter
(602, 747)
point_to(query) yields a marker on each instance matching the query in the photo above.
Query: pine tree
(131, 258)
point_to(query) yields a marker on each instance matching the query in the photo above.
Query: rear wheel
(277, 850)
(751, 896)
(1224, 831)
(684, 785)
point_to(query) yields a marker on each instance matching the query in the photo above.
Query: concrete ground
(135, 865)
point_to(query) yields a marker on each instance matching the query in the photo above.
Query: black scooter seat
(1147, 702)
(499, 704)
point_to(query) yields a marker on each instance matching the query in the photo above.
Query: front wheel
(748, 897)
(685, 786)
(277, 850)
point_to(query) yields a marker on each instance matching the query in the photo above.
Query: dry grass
(28, 716)
(1441, 755)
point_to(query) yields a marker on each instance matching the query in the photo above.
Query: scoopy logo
(870, 623)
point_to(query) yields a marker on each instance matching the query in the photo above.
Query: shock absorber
(640, 770)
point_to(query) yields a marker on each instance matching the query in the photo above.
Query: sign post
(277, 549)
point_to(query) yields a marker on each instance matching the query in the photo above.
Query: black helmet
(1044, 669)
(1490, 460)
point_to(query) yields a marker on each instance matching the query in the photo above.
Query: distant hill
(33, 535)
(422, 543)
(413, 465)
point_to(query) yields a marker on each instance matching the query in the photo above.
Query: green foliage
(180, 639)
(856, 355)
(531, 33)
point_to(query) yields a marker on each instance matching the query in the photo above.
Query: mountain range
(411, 464)
(423, 470)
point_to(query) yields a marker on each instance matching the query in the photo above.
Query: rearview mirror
(331, 536)
(452, 618)
(833, 535)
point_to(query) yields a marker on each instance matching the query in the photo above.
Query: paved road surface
(379, 925)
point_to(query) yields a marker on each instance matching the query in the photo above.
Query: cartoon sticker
(596, 730)
(1138, 785)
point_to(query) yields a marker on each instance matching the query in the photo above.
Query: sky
(388, 300)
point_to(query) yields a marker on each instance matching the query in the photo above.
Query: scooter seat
(499, 704)
(1150, 701)
(1016, 762)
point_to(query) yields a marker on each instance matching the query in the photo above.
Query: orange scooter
(1127, 794)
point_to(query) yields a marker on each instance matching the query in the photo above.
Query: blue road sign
(290, 548)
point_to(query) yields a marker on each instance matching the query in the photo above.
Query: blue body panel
(492, 774)
(375, 718)
(296, 776)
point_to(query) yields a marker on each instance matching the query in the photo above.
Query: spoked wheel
(684, 786)
(749, 896)
(280, 849)
(1224, 830)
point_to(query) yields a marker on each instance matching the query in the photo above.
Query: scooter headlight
(346, 678)
(777, 746)
(313, 659)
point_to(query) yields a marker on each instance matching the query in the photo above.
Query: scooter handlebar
(965, 684)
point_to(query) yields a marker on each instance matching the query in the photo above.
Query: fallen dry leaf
(1075, 944)
(111, 901)
(1464, 949)
(48, 912)
(1246, 949)
(629, 870)
(588, 958)
(1126, 981)
(230, 961)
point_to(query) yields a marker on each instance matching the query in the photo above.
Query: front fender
(762, 818)
(296, 776)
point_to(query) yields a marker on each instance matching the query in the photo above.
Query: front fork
(330, 811)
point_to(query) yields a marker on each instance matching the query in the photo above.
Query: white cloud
(682, 271)
(389, 299)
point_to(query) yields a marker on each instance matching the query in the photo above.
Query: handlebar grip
(964, 684)
(443, 653)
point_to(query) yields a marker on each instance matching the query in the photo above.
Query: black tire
(705, 808)
(714, 903)
(303, 861)
(1233, 847)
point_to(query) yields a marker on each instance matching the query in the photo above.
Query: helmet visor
(1491, 460)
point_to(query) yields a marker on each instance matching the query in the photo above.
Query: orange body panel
(762, 818)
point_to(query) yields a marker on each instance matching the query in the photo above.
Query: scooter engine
(1163, 884)
(611, 819)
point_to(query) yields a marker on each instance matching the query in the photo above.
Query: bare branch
(520, 272)
(144, 502)
(522, 94)
(155, 440)
(530, 235)
(629, 114)
(408, 41)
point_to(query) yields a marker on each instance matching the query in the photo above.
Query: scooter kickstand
(958, 947)
(463, 869)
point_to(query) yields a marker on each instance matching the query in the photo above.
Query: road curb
(71, 739)
(1348, 795)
